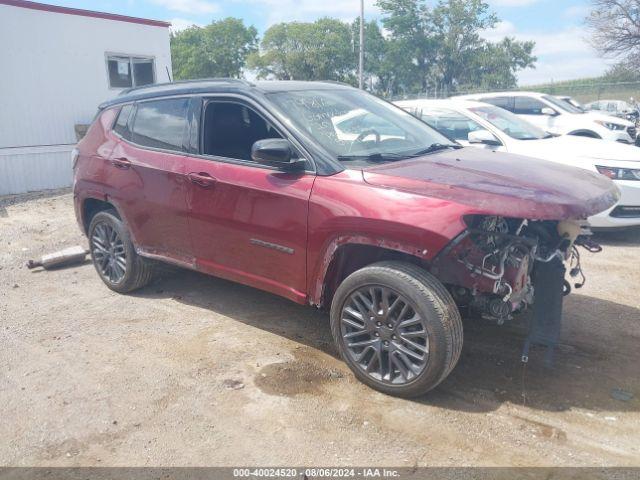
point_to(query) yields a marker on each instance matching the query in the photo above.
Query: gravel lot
(196, 371)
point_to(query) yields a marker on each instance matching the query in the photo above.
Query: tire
(128, 271)
(437, 338)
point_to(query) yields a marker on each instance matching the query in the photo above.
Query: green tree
(496, 64)
(217, 50)
(412, 44)
(375, 55)
(441, 48)
(457, 27)
(321, 50)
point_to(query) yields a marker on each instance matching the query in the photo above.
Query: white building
(56, 66)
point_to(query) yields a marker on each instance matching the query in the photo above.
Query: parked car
(489, 127)
(616, 108)
(559, 117)
(252, 183)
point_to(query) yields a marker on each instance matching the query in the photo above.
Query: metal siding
(27, 170)
(54, 75)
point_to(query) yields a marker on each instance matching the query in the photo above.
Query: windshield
(354, 125)
(509, 123)
(562, 105)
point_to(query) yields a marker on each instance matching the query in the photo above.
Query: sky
(557, 26)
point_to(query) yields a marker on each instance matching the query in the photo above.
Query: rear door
(248, 222)
(148, 171)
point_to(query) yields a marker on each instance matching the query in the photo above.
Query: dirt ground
(196, 371)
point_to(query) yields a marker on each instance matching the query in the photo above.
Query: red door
(248, 222)
(147, 173)
(151, 194)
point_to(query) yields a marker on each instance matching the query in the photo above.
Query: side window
(502, 102)
(450, 123)
(231, 129)
(121, 126)
(161, 124)
(528, 106)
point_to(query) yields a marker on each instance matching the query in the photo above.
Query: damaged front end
(500, 266)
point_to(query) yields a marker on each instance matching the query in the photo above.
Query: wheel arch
(93, 205)
(585, 133)
(346, 254)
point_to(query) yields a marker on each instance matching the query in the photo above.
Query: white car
(616, 108)
(486, 126)
(559, 117)
(571, 100)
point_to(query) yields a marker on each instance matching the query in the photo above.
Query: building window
(127, 72)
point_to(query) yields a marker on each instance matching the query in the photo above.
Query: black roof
(218, 85)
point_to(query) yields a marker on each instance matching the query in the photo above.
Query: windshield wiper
(374, 157)
(389, 157)
(435, 147)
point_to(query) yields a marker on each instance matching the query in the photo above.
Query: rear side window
(122, 123)
(161, 124)
(502, 102)
(528, 106)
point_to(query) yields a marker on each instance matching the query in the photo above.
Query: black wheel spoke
(384, 334)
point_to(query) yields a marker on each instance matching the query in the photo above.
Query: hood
(503, 184)
(574, 150)
(608, 118)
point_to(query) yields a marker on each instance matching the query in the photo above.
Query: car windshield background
(562, 105)
(509, 123)
(449, 122)
(349, 123)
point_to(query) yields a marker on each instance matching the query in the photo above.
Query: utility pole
(361, 69)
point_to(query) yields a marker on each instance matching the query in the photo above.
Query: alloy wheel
(109, 253)
(384, 335)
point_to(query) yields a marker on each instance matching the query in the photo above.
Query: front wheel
(397, 328)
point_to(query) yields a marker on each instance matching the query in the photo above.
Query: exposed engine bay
(501, 266)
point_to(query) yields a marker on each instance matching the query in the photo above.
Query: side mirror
(548, 111)
(276, 152)
(484, 137)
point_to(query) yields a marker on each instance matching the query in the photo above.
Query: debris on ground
(63, 258)
(622, 395)
(231, 384)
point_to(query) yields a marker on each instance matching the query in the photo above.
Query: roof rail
(182, 82)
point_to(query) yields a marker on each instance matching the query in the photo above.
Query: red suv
(331, 197)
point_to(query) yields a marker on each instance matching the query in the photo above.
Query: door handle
(122, 163)
(203, 180)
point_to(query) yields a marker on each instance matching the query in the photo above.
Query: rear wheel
(114, 255)
(397, 328)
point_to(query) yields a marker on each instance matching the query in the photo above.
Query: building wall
(53, 75)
